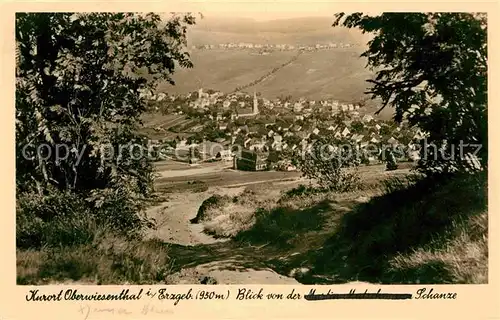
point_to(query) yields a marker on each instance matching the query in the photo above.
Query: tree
(332, 165)
(81, 84)
(432, 68)
(357, 126)
(79, 79)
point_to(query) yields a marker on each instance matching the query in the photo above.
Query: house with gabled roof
(225, 155)
(251, 160)
(392, 141)
(345, 132)
(277, 143)
(247, 142)
(226, 104)
(367, 118)
(357, 137)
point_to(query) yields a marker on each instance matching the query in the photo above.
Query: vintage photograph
(204, 148)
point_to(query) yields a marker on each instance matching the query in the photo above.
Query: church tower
(255, 104)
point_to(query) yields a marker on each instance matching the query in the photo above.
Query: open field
(157, 125)
(181, 179)
(174, 174)
(325, 74)
(224, 70)
(338, 74)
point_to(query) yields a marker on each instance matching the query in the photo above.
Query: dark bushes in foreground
(59, 218)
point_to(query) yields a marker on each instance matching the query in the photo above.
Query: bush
(61, 218)
(332, 168)
(301, 190)
(207, 204)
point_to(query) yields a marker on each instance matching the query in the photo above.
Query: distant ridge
(307, 30)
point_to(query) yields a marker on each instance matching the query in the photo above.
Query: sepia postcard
(249, 159)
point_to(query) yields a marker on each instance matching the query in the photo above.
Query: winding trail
(201, 255)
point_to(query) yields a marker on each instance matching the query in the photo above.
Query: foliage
(332, 164)
(281, 226)
(81, 84)
(432, 68)
(300, 191)
(357, 127)
(211, 202)
(64, 218)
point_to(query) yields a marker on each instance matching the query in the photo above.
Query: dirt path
(172, 217)
(173, 226)
(199, 256)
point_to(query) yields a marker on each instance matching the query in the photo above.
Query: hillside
(224, 70)
(324, 74)
(338, 74)
(328, 74)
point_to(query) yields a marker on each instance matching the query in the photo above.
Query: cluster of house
(281, 47)
(333, 105)
(248, 148)
(243, 104)
(261, 134)
(239, 102)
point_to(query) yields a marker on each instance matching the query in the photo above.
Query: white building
(345, 132)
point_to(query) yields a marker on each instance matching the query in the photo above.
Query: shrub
(211, 202)
(62, 218)
(333, 168)
(302, 190)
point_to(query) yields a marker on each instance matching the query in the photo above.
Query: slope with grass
(403, 231)
(324, 74)
(224, 70)
(157, 125)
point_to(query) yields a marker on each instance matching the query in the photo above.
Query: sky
(262, 11)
